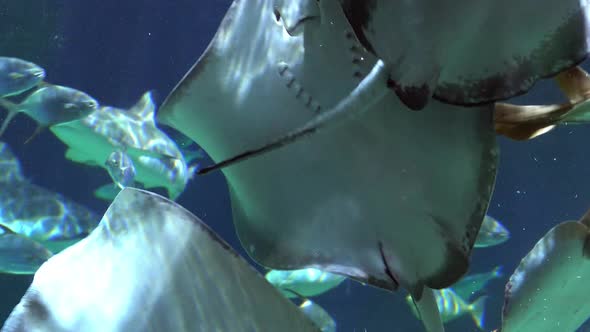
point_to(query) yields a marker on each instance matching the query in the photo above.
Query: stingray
(549, 291)
(152, 266)
(389, 198)
(470, 52)
(36, 212)
(157, 159)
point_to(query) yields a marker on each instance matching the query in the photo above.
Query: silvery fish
(121, 169)
(37, 213)
(18, 76)
(491, 233)
(475, 283)
(51, 105)
(19, 254)
(305, 282)
(318, 315)
(451, 306)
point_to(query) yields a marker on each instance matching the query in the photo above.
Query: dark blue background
(116, 50)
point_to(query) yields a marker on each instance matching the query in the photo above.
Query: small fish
(121, 169)
(19, 254)
(491, 233)
(306, 282)
(18, 76)
(318, 315)
(451, 306)
(51, 105)
(474, 283)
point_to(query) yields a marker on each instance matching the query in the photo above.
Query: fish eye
(91, 104)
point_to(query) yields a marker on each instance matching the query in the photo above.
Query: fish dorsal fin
(145, 107)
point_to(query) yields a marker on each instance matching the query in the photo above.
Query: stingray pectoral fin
(363, 97)
(428, 310)
(574, 83)
(526, 122)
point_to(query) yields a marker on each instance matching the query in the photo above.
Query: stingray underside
(389, 197)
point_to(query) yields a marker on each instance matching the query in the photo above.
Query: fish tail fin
(477, 310)
(12, 110)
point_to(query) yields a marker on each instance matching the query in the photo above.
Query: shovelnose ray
(389, 198)
(549, 291)
(152, 266)
(470, 52)
(156, 158)
(37, 213)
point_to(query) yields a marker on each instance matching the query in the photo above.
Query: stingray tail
(428, 311)
(368, 92)
(477, 309)
(12, 110)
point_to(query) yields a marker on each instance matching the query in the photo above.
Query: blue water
(116, 50)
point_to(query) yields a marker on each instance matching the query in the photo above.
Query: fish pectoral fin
(12, 110)
(36, 133)
(574, 83)
(371, 90)
(428, 310)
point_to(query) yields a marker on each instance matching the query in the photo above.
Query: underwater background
(117, 50)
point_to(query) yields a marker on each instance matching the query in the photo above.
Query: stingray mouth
(387, 269)
(297, 28)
